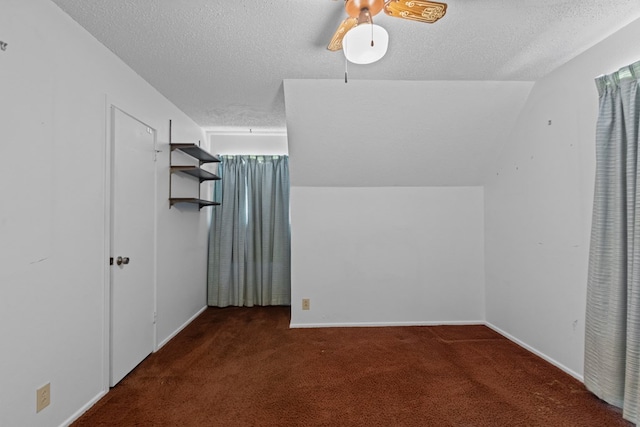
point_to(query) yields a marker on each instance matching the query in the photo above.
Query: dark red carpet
(245, 367)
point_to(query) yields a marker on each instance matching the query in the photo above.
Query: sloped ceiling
(397, 133)
(223, 62)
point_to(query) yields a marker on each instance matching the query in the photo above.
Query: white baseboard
(536, 352)
(84, 409)
(177, 331)
(384, 324)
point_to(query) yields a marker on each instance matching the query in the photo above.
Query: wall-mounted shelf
(191, 171)
(201, 203)
(196, 152)
(195, 172)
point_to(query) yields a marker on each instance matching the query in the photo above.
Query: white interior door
(132, 244)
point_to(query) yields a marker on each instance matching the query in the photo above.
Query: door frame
(108, 174)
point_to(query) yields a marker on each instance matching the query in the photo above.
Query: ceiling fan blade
(416, 10)
(336, 41)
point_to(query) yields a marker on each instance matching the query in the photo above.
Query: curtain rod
(245, 131)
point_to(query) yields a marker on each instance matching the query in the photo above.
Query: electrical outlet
(305, 303)
(43, 397)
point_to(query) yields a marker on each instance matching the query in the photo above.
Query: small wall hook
(3, 45)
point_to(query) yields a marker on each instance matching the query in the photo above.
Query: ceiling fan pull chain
(371, 34)
(346, 63)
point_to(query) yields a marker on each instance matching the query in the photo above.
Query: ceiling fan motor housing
(354, 7)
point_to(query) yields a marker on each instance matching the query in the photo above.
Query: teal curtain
(250, 237)
(612, 340)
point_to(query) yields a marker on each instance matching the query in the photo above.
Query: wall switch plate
(305, 303)
(43, 397)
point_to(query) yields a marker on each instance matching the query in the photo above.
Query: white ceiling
(223, 62)
(403, 133)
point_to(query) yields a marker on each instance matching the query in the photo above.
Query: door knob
(125, 260)
(119, 260)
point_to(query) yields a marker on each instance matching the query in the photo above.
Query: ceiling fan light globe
(356, 44)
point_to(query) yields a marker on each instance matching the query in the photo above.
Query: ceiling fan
(363, 11)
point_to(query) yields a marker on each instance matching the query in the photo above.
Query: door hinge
(155, 317)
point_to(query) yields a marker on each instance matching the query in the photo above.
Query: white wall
(388, 255)
(386, 202)
(538, 207)
(54, 79)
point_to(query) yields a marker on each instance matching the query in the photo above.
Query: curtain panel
(612, 340)
(250, 237)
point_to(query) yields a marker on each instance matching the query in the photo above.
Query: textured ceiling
(223, 62)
